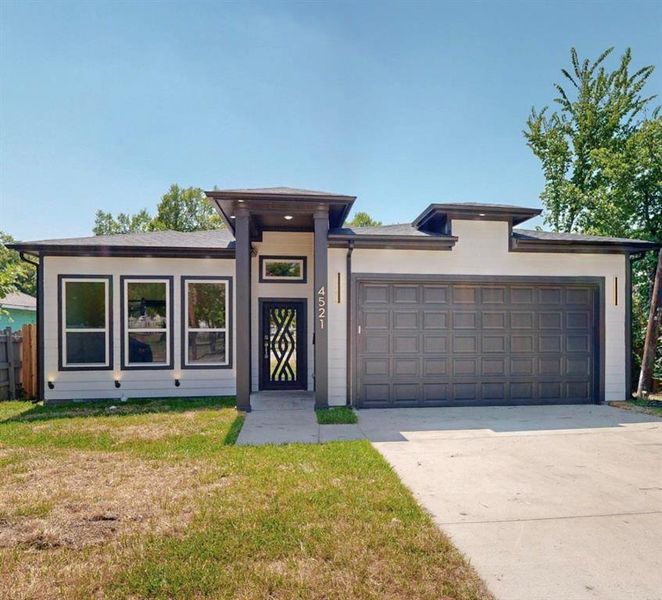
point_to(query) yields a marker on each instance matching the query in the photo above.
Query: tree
(185, 210)
(106, 224)
(180, 209)
(601, 154)
(363, 219)
(15, 274)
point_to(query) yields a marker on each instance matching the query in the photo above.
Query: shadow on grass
(231, 436)
(133, 406)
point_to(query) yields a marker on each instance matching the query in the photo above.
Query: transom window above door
(283, 269)
(146, 322)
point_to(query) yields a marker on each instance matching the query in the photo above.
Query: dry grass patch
(77, 499)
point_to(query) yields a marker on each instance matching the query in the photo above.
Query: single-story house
(17, 309)
(459, 307)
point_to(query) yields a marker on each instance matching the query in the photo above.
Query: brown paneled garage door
(473, 342)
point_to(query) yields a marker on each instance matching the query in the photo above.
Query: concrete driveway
(546, 502)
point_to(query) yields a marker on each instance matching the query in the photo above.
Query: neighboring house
(17, 309)
(459, 307)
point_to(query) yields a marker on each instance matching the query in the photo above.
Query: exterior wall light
(51, 385)
(117, 383)
(288, 217)
(177, 383)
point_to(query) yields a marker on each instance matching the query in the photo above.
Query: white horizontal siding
(147, 383)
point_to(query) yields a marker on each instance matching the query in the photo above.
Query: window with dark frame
(146, 322)
(206, 314)
(85, 322)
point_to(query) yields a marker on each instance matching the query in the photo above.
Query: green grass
(339, 415)
(325, 521)
(650, 406)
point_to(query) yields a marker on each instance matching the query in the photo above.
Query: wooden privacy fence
(18, 363)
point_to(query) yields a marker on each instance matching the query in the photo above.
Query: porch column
(321, 301)
(243, 307)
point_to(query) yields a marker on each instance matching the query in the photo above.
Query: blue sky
(105, 104)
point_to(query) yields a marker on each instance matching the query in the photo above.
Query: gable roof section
(218, 243)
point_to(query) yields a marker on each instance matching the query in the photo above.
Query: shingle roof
(279, 191)
(19, 300)
(399, 229)
(217, 238)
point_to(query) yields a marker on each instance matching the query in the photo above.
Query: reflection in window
(206, 322)
(85, 317)
(147, 322)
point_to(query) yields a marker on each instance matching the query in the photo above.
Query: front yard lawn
(652, 406)
(150, 499)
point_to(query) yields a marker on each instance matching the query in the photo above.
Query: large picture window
(85, 322)
(206, 322)
(147, 322)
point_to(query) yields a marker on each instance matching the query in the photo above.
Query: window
(206, 322)
(284, 269)
(85, 328)
(147, 322)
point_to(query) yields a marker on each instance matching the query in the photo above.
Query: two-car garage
(436, 341)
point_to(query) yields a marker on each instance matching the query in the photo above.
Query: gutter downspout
(348, 299)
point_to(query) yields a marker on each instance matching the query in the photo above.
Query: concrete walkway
(278, 418)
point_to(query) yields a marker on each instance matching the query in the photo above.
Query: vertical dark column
(243, 308)
(41, 376)
(321, 308)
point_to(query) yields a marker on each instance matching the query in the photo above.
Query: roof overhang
(580, 246)
(122, 251)
(392, 242)
(280, 211)
(437, 217)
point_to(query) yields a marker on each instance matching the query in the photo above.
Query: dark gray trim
(348, 296)
(124, 251)
(575, 246)
(484, 212)
(171, 324)
(243, 308)
(60, 329)
(284, 258)
(229, 338)
(600, 323)
(41, 376)
(404, 242)
(321, 308)
(303, 363)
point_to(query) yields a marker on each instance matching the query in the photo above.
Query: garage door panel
(454, 343)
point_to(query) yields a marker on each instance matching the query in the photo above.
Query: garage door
(438, 343)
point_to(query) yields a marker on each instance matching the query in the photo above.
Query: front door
(283, 345)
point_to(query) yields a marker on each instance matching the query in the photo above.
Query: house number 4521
(321, 306)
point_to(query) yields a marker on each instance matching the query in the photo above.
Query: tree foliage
(15, 274)
(601, 153)
(180, 209)
(363, 219)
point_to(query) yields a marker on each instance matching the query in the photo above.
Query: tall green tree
(601, 153)
(180, 209)
(15, 274)
(363, 219)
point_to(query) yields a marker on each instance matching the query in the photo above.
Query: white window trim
(188, 329)
(299, 279)
(105, 330)
(128, 330)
